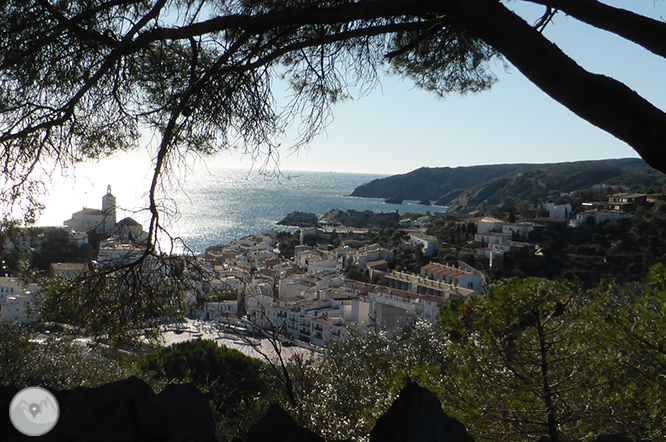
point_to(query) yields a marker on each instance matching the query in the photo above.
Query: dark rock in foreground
(129, 411)
(417, 415)
(126, 410)
(277, 426)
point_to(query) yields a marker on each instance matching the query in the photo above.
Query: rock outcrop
(126, 410)
(129, 411)
(278, 426)
(417, 415)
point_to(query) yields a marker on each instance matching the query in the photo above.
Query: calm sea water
(228, 204)
(219, 205)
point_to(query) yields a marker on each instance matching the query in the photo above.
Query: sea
(221, 205)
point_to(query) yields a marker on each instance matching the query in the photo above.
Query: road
(256, 348)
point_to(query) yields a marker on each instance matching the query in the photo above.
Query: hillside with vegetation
(480, 187)
(336, 217)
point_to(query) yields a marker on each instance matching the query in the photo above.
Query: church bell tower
(109, 209)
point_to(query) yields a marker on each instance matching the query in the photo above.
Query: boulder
(278, 426)
(6, 428)
(417, 415)
(126, 410)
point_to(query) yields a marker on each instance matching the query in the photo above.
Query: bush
(231, 380)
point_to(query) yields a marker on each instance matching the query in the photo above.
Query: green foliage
(121, 306)
(221, 295)
(368, 219)
(445, 62)
(341, 394)
(522, 366)
(300, 219)
(353, 272)
(56, 364)
(622, 250)
(286, 242)
(389, 238)
(631, 327)
(231, 380)
(534, 357)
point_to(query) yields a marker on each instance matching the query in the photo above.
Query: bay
(213, 205)
(228, 204)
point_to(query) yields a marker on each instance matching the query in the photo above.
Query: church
(104, 221)
(100, 221)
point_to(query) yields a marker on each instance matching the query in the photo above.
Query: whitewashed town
(308, 297)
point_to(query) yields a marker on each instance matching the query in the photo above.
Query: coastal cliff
(468, 188)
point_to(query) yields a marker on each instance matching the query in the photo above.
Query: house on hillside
(452, 275)
(428, 244)
(17, 300)
(598, 217)
(486, 224)
(561, 211)
(626, 202)
(490, 238)
(69, 269)
(521, 229)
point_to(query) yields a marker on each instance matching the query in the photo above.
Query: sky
(398, 127)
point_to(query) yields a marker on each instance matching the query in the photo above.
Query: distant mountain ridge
(467, 188)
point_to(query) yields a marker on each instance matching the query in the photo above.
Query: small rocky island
(300, 219)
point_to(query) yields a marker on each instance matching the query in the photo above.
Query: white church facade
(100, 221)
(104, 221)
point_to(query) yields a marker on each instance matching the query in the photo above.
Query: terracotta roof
(445, 270)
(484, 219)
(69, 266)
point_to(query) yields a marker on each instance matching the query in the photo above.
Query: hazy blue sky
(398, 128)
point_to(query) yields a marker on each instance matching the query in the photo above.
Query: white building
(112, 254)
(453, 275)
(429, 244)
(372, 252)
(9, 286)
(313, 321)
(17, 301)
(598, 217)
(320, 264)
(394, 309)
(486, 224)
(522, 229)
(561, 211)
(294, 285)
(489, 238)
(101, 221)
(211, 310)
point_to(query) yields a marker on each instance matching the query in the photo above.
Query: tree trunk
(547, 394)
(602, 101)
(649, 33)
